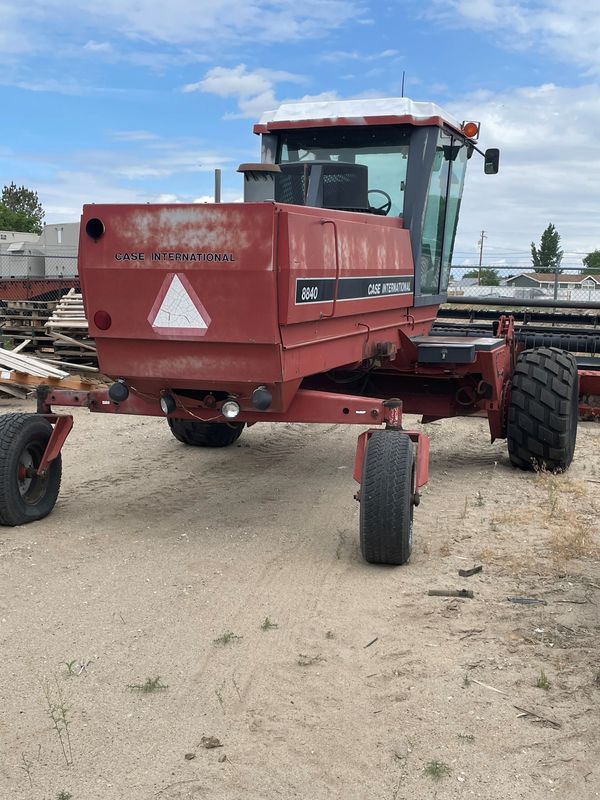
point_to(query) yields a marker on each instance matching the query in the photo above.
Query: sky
(140, 100)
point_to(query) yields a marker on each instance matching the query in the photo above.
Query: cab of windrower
(391, 157)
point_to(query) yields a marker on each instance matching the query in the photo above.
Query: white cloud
(359, 55)
(549, 171)
(98, 47)
(152, 34)
(174, 169)
(176, 159)
(64, 195)
(68, 85)
(564, 28)
(253, 90)
(227, 196)
(239, 82)
(14, 43)
(186, 22)
(134, 136)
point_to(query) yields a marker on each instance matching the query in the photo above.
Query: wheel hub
(25, 472)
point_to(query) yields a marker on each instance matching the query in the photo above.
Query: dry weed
(561, 484)
(572, 537)
(517, 516)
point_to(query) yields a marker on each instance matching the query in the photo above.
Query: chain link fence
(32, 284)
(36, 276)
(524, 283)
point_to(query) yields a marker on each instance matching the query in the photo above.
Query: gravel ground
(233, 578)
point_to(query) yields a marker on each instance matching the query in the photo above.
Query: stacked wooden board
(55, 330)
(67, 329)
(20, 374)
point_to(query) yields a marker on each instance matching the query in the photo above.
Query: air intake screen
(331, 184)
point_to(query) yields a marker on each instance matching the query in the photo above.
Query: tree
(26, 205)
(489, 276)
(16, 221)
(591, 262)
(548, 256)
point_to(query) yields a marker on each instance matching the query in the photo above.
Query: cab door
(435, 180)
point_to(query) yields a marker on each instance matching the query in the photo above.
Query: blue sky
(139, 100)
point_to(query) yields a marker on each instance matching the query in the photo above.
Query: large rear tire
(387, 498)
(205, 434)
(25, 496)
(543, 410)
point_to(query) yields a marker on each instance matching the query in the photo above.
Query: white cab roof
(385, 110)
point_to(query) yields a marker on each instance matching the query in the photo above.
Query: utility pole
(217, 185)
(480, 243)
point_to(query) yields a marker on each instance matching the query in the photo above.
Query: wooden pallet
(24, 379)
(18, 369)
(25, 319)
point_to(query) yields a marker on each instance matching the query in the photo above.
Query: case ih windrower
(310, 302)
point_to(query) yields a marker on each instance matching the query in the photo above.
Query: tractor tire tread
(386, 498)
(543, 410)
(205, 434)
(13, 427)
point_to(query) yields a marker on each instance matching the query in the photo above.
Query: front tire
(24, 496)
(196, 433)
(543, 410)
(387, 498)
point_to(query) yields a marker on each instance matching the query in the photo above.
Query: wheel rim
(31, 487)
(413, 484)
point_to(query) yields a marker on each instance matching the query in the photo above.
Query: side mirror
(492, 160)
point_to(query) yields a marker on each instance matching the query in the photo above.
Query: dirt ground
(234, 577)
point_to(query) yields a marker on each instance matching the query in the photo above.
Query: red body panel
(244, 266)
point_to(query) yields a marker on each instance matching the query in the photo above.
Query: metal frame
(63, 424)
(439, 390)
(481, 387)
(423, 146)
(308, 406)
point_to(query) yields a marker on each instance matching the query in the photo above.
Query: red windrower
(312, 301)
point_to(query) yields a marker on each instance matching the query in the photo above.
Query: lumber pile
(20, 373)
(11, 360)
(54, 330)
(67, 329)
(25, 320)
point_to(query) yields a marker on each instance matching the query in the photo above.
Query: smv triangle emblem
(178, 309)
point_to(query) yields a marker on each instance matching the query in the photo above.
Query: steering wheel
(382, 210)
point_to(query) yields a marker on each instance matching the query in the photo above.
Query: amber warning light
(471, 129)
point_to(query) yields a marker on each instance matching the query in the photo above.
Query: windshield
(384, 151)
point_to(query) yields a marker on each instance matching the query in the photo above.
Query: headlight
(230, 409)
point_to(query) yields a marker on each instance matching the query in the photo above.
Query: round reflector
(262, 398)
(119, 391)
(102, 320)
